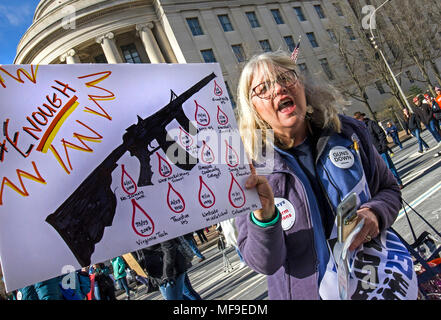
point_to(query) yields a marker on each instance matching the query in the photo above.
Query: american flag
(295, 52)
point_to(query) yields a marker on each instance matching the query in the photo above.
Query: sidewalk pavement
(403, 137)
(212, 236)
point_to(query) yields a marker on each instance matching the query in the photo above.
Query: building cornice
(173, 6)
(40, 36)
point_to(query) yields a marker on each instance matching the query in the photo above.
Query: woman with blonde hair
(320, 157)
(323, 100)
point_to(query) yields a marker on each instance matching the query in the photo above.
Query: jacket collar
(320, 138)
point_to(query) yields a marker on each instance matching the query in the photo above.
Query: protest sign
(100, 160)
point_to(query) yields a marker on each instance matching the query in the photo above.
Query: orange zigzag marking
(21, 174)
(20, 72)
(95, 98)
(80, 138)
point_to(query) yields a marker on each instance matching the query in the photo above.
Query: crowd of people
(426, 111)
(89, 283)
(166, 265)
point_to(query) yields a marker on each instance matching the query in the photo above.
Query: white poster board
(101, 160)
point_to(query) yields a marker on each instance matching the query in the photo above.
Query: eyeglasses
(265, 90)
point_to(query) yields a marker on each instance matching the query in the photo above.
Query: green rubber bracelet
(265, 224)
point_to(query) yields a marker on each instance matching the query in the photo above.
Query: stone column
(163, 42)
(70, 57)
(110, 49)
(149, 41)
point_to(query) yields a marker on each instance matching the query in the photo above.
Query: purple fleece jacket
(288, 257)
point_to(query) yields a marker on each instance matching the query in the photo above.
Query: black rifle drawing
(82, 217)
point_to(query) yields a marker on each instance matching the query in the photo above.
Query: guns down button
(341, 157)
(287, 212)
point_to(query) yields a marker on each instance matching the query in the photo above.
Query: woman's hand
(265, 194)
(370, 228)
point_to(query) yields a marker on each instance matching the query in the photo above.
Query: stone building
(187, 31)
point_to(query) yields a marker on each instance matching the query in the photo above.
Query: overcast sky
(15, 18)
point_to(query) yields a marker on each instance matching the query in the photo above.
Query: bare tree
(414, 32)
(362, 61)
(432, 10)
(358, 74)
(348, 38)
(407, 33)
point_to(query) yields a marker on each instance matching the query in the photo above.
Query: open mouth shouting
(286, 105)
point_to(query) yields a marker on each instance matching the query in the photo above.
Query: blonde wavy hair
(321, 101)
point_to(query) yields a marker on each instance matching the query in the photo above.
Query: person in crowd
(189, 292)
(86, 284)
(387, 146)
(316, 151)
(392, 131)
(425, 113)
(106, 288)
(43, 290)
(193, 245)
(92, 276)
(436, 108)
(412, 123)
(76, 285)
(380, 142)
(201, 236)
(185, 249)
(167, 266)
(438, 96)
(230, 232)
(120, 275)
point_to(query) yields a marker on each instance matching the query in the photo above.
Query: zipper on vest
(289, 281)
(323, 188)
(313, 240)
(317, 262)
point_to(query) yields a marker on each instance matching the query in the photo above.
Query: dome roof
(60, 25)
(46, 7)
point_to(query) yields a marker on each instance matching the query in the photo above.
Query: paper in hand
(342, 261)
